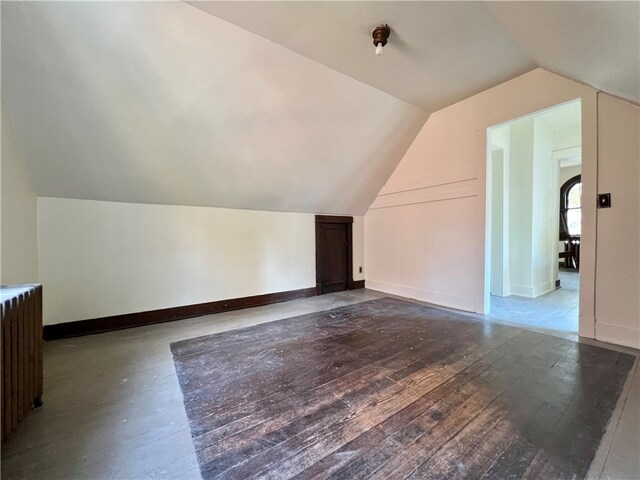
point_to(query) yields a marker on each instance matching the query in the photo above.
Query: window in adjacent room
(570, 206)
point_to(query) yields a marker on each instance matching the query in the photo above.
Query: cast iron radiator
(21, 353)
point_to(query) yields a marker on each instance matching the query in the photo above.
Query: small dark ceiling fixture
(380, 36)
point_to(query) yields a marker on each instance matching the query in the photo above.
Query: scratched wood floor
(391, 389)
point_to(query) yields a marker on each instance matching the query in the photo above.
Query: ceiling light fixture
(380, 35)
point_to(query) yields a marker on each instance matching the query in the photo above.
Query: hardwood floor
(113, 408)
(392, 389)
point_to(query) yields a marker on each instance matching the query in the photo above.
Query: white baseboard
(443, 299)
(544, 288)
(626, 336)
(533, 291)
(521, 291)
(586, 326)
(506, 291)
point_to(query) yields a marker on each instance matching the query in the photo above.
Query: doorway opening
(534, 219)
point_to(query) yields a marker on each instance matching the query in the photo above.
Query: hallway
(557, 310)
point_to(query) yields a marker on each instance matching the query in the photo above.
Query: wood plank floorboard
(393, 389)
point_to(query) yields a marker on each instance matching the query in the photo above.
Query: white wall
(618, 261)
(423, 248)
(521, 223)
(425, 232)
(499, 225)
(528, 233)
(106, 258)
(568, 172)
(19, 253)
(567, 138)
(544, 213)
(500, 237)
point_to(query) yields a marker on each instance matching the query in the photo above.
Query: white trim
(627, 336)
(569, 153)
(543, 288)
(534, 291)
(587, 326)
(449, 191)
(437, 298)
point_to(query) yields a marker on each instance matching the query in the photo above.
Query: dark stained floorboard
(392, 389)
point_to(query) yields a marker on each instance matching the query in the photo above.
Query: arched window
(570, 208)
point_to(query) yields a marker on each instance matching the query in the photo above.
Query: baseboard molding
(619, 335)
(425, 194)
(442, 299)
(534, 291)
(506, 291)
(521, 291)
(357, 284)
(544, 288)
(139, 319)
(586, 326)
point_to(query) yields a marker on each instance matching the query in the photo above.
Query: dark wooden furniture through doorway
(571, 254)
(334, 264)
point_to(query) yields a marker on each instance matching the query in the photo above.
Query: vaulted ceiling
(163, 103)
(272, 105)
(443, 52)
(438, 52)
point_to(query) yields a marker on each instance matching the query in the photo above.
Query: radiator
(21, 353)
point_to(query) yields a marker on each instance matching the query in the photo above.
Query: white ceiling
(164, 103)
(597, 43)
(438, 52)
(443, 52)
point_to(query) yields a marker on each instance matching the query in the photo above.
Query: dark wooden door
(333, 265)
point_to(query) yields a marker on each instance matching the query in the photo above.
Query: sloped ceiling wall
(443, 52)
(597, 43)
(438, 53)
(167, 102)
(164, 103)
